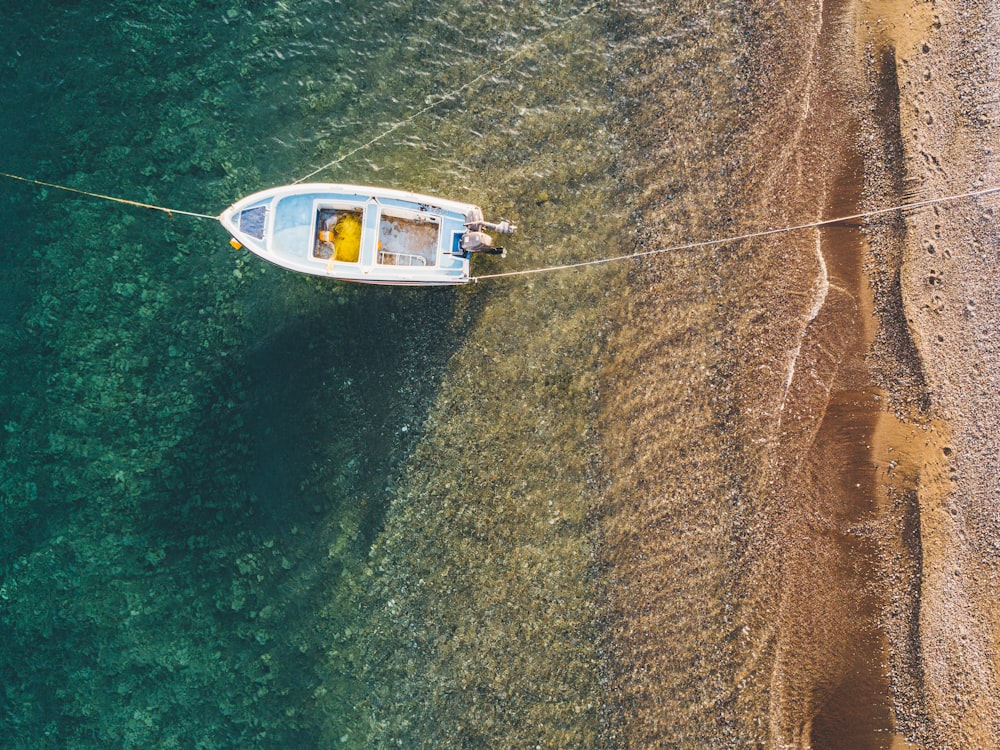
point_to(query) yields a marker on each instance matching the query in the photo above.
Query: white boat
(366, 234)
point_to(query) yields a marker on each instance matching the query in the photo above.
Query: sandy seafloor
(738, 496)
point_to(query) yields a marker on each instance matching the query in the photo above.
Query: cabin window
(252, 221)
(338, 235)
(410, 240)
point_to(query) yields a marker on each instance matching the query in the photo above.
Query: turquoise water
(204, 459)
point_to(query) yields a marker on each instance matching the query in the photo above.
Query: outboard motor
(475, 240)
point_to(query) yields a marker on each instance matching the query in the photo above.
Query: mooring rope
(452, 94)
(741, 237)
(596, 261)
(126, 201)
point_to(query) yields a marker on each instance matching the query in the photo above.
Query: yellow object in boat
(347, 238)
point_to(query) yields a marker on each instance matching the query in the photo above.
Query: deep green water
(199, 453)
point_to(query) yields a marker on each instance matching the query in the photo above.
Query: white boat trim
(298, 227)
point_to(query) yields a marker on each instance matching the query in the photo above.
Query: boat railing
(389, 258)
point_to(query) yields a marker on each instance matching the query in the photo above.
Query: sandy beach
(949, 74)
(843, 483)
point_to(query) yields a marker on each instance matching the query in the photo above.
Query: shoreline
(939, 665)
(768, 621)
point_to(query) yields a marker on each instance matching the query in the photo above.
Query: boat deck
(386, 237)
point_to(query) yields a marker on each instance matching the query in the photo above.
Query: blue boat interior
(315, 230)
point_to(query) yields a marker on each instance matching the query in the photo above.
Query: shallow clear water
(247, 509)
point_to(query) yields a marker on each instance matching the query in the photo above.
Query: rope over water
(748, 236)
(544, 269)
(126, 201)
(440, 99)
(451, 94)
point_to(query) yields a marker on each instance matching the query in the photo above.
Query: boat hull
(355, 233)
